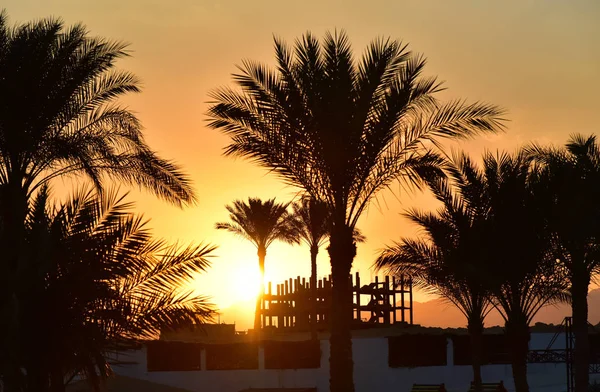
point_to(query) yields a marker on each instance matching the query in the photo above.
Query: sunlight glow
(244, 284)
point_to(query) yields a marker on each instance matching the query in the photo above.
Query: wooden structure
(289, 304)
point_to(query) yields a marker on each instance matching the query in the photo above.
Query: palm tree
(342, 130)
(262, 223)
(448, 261)
(93, 268)
(571, 178)
(313, 224)
(59, 117)
(312, 218)
(522, 274)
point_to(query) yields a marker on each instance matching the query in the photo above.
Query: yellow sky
(539, 59)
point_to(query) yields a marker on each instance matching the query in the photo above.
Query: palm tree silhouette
(342, 130)
(447, 261)
(59, 117)
(521, 272)
(93, 269)
(571, 177)
(261, 222)
(314, 222)
(312, 217)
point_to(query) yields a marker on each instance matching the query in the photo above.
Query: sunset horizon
(179, 59)
(280, 195)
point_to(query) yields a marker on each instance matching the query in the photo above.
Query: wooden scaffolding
(377, 303)
(385, 300)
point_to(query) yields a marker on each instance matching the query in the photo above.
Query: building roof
(202, 333)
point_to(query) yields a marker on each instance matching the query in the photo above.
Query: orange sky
(539, 59)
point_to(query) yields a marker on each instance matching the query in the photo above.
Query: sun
(245, 283)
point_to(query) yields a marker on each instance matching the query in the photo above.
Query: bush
(594, 387)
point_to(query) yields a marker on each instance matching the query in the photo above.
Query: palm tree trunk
(57, 380)
(13, 207)
(262, 254)
(12, 379)
(517, 333)
(37, 382)
(37, 373)
(341, 251)
(581, 358)
(313, 291)
(475, 327)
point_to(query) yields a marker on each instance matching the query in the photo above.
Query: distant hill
(241, 314)
(437, 312)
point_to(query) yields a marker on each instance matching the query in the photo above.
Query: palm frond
(60, 113)
(94, 267)
(261, 222)
(342, 129)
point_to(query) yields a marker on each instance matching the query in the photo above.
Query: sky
(540, 60)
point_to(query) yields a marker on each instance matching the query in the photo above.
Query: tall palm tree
(522, 274)
(59, 117)
(571, 177)
(94, 270)
(262, 223)
(342, 130)
(448, 261)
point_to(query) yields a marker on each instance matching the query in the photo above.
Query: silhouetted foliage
(448, 260)
(342, 130)
(594, 387)
(489, 244)
(92, 267)
(520, 272)
(570, 182)
(313, 221)
(59, 117)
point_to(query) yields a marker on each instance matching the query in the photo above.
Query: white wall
(371, 372)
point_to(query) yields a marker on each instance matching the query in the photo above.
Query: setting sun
(244, 284)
